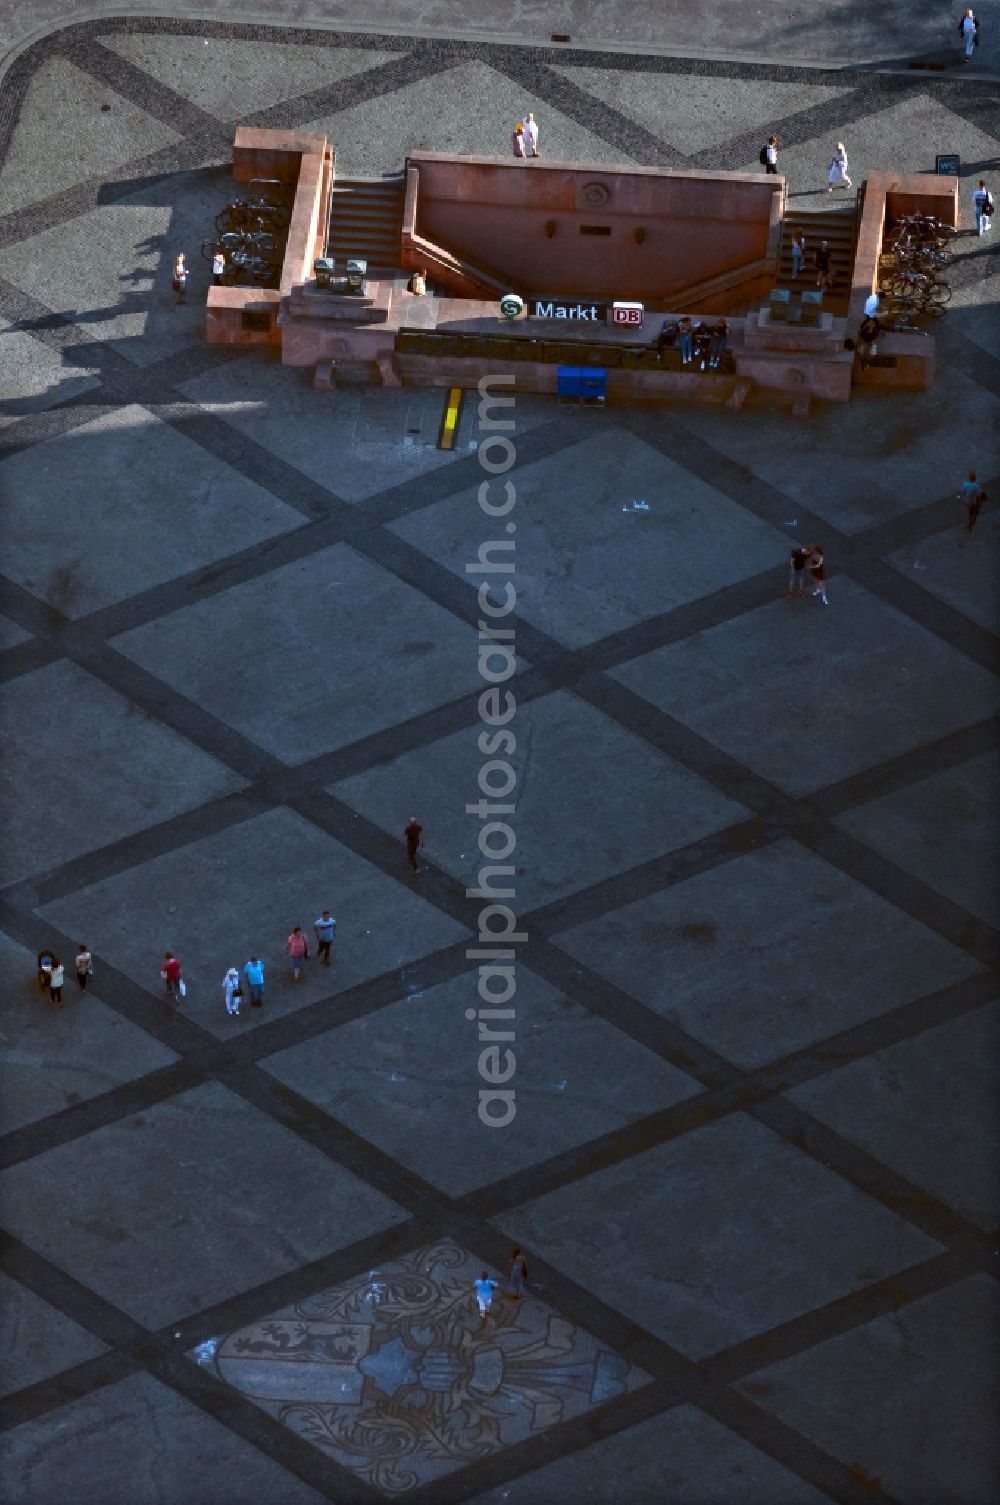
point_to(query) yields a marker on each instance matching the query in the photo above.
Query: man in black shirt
(823, 265)
(799, 561)
(412, 833)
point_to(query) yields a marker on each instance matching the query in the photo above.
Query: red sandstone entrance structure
(571, 240)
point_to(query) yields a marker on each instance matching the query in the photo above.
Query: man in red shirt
(171, 974)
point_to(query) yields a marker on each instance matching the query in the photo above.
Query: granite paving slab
(286, 659)
(787, 688)
(124, 476)
(767, 954)
(625, 565)
(680, 1456)
(37, 1341)
(237, 1199)
(65, 126)
(942, 830)
(232, 77)
(415, 1064)
(141, 1431)
(92, 769)
(900, 1105)
(721, 1235)
(218, 900)
(52, 1058)
(939, 1354)
(960, 567)
(651, 806)
(469, 108)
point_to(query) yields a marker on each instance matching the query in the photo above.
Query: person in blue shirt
(325, 928)
(254, 973)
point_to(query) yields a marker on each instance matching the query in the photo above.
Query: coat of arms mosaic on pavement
(393, 1375)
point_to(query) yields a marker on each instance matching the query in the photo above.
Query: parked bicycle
(258, 212)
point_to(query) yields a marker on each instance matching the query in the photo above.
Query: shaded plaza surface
(753, 1165)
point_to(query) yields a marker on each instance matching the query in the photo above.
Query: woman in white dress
(837, 176)
(234, 993)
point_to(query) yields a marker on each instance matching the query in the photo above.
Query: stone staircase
(366, 220)
(836, 226)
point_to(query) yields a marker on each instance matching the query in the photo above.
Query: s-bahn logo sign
(567, 308)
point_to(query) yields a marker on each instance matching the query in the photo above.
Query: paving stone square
(415, 1061)
(375, 135)
(238, 651)
(882, 459)
(232, 77)
(110, 270)
(31, 377)
(758, 1233)
(142, 1431)
(941, 829)
(896, 1104)
(52, 1058)
(64, 125)
(940, 1351)
(653, 805)
(402, 1349)
(767, 954)
(235, 1193)
(742, 685)
(379, 928)
(680, 1455)
(124, 475)
(615, 576)
(959, 567)
(37, 1340)
(264, 661)
(124, 771)
(354, 443)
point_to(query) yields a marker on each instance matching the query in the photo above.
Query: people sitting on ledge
(697, 342)
(720, 334)
(685, 341)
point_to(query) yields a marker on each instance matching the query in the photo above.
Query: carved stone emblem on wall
(595, 193)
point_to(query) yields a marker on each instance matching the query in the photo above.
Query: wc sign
(629, 314)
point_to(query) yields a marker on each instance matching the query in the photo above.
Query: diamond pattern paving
(400, 1351)
(755, 844)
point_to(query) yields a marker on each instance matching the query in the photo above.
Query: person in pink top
(298, 949)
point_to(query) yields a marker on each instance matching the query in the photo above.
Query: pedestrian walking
(84, 965)
(46, 961)
(769, 155)
(57, 976)
(968, 30)
(325, 928)
(799, 561)
(983, 208)
(798, 253)
(519, 139)
(254, 974)
(837, 175)
(484, 1288)
(720, 334)
(817, 569)
(531, 135)
(171, 973)
(233, 991)
(822, 263)
(517, 1275)
(218, 267)
(413, 835)
(298, 949)
(973, 495)
(180, 278)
